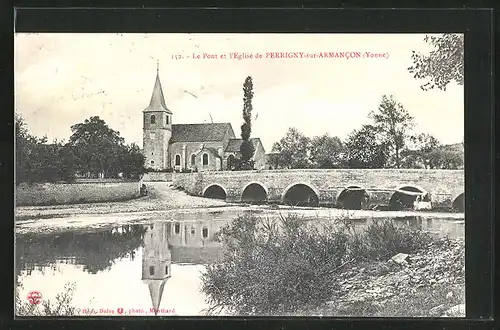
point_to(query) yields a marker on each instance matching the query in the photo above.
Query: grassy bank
(296, 268)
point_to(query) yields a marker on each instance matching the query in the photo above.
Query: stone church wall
(193, 148)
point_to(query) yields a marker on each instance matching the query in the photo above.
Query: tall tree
(247, 149)
(444, 64)
(365, 148)
(326, 151)
(97, 147)
(293, 149)
(394, 122)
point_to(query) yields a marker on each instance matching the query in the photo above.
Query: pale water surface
(110, 266)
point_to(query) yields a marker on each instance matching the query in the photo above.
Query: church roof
(234, 144)
(157, 102)
(199, 132)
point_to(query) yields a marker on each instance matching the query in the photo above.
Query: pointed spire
(157, 102)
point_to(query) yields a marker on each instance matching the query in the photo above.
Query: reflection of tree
(96, 251)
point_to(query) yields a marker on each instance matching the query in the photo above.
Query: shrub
(384, 238)
(273, 267)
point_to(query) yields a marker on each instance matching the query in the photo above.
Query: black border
(478, 29)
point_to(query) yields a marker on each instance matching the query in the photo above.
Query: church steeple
(157, 102)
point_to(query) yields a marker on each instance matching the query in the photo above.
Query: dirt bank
(430, 284)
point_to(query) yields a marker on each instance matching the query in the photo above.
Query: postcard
(250, 175)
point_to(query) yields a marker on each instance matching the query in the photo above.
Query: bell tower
(157, 128)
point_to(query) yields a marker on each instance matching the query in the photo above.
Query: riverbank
(163, 200)
(161, 197)
(430, 284)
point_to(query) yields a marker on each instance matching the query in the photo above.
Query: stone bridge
(345, 188)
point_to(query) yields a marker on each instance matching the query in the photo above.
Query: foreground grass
(292, 267)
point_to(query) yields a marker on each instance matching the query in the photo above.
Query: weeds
(61, 306)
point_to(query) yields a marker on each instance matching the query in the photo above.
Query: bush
(384, 238)
(273, 267)
(276, 267)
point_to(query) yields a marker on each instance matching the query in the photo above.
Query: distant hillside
(455, 147)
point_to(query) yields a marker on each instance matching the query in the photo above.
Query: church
(191, 147)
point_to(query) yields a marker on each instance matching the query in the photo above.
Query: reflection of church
(181, 242)
(156, 261)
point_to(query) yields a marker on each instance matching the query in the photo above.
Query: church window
(177, 228)
(166, 270)
(153, 119)
(177, 160)
(193, 231)
(193, 159)
(152, 163)
(152, 135)
(167, 120)
(205, 232)
(205, 159)
(230, 161)
(151, 270)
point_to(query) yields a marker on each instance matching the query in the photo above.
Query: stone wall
(74, 193)
(157, 176)
(443, 185)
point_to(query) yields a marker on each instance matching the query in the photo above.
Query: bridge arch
(254, 191)
(458, 203)
(400, 200)
(353, 198)
(215, 190)
(300, 194)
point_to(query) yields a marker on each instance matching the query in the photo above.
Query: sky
(63, 79)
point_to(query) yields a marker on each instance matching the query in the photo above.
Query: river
(115, 260)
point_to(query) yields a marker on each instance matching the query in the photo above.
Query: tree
(247, 149)
(446, 158)
(326, 151)
(132, 164)
(393, 121)
(24, 146)
(37, 160)
(97, 148)
(365, 148)
(416, 155)
(294, 149)
(445, 63)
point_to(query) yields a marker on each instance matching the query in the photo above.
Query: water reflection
(159, 257)
(156, 262)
